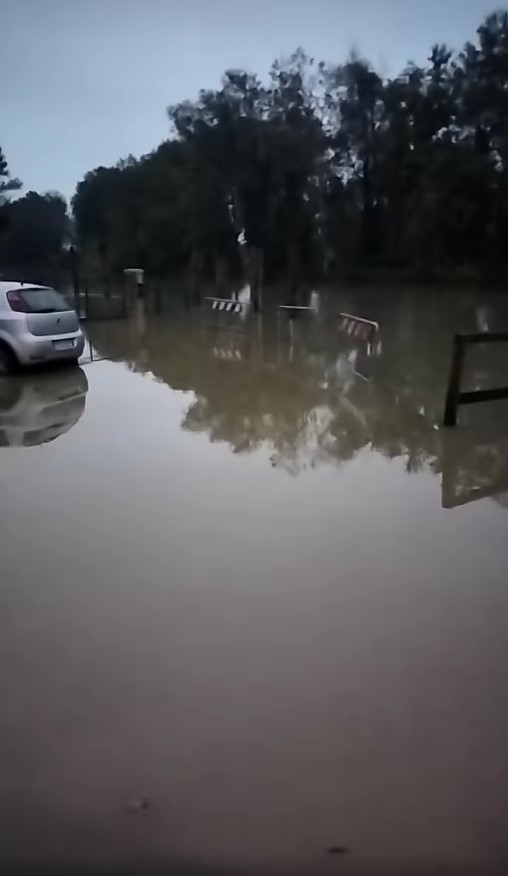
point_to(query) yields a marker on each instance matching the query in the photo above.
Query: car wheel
(10, 391)
(7, 360)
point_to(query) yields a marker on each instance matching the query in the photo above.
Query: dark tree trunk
(103, 254)
(293, 264)
(221, 271)
(195, 264)
(367, 232)
(255, 277)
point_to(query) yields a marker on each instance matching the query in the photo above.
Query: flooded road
(254, 600)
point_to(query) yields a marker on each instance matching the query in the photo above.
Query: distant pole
(140, 316)
(87, 300)
(141, 302)
(138, 275)
(124, 301)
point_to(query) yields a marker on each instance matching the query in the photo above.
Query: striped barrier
(357, 327)
(226, 305)
(226, 355)
(365, 330)
(296, 308)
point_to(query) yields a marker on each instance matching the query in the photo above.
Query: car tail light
(16, 302)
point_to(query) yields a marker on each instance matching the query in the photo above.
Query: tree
(7, 183)
(357, 96)
(321, 167)
(36, 232)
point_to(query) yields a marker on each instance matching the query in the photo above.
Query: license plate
(63, 345)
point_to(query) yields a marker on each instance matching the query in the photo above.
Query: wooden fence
(455, 396)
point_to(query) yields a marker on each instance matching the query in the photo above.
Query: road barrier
(357, 327)
(454, 396)
(293, 310)
(226, 355)
(226, 305)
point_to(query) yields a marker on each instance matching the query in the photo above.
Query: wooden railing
(454, 396)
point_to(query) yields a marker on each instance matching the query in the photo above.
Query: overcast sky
(86, 82)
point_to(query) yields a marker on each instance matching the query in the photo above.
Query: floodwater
(254, 600)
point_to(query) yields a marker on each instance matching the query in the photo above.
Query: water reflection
(36, 408)
(295, 389)
(279, 664)
(475, 460)
(303, 392)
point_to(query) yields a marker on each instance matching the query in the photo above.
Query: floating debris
(338, 850)
(138, 805)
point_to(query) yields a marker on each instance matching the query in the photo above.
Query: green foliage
(320, 168)
(7, 183)
(37, 227)
(33, 230)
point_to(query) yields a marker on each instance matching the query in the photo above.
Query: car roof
(13, 285)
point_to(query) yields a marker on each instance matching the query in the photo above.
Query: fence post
(454, 381)
(87, 300)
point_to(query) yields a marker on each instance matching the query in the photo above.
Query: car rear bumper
(31, 350)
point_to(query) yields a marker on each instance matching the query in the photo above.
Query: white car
(36, 325)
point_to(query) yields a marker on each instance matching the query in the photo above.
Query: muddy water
(254, 601)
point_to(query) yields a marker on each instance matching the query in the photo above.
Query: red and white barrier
(357, 327)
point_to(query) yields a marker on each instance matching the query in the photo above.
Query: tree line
(321, 169)
(33, 231)
(313, 410)
(318, 170)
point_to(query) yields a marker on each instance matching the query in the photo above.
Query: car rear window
(37, 300)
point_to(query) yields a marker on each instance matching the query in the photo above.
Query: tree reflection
(307, 396)
(475, 461)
